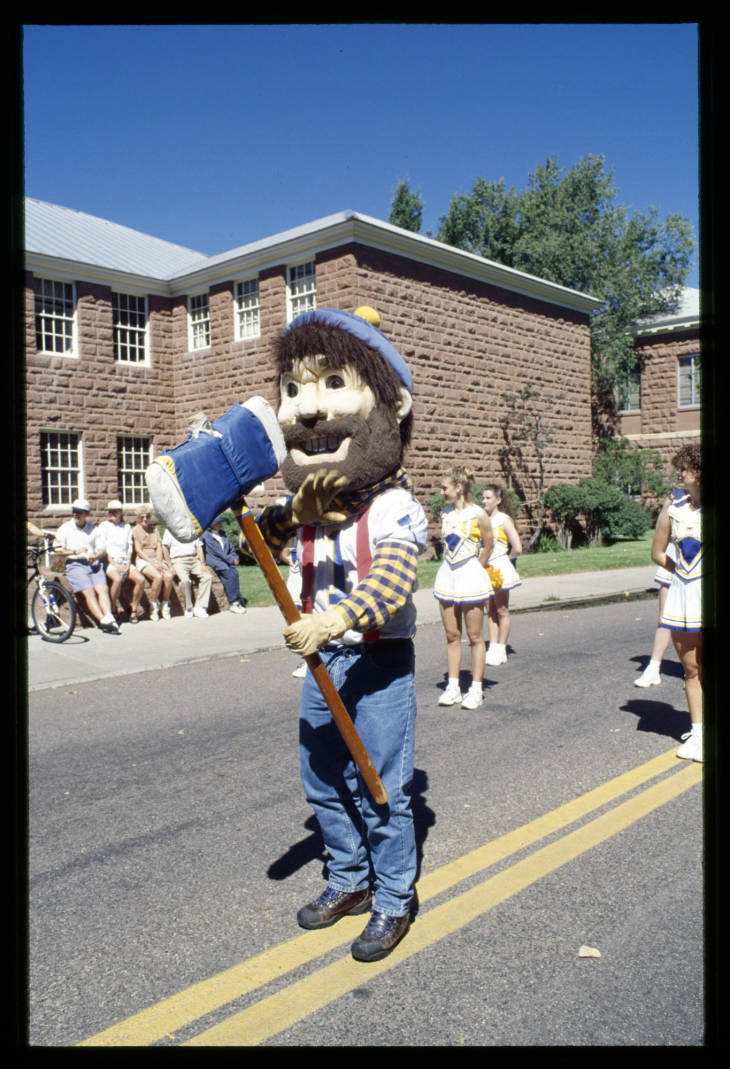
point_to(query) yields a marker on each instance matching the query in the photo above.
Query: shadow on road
(659, 718)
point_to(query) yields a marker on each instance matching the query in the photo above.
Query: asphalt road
(170, 847)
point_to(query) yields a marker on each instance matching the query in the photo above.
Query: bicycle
(52, 608)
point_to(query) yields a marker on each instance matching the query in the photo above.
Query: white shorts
(505, 567)
(683, 607)
(465, 583)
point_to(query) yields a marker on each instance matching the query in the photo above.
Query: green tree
(406, 209)
(566, 226)
(633, 469)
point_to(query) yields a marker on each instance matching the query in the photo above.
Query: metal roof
(72, 235)
(686, 315)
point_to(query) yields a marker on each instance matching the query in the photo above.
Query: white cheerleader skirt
(464, 583)
(662, 577)
(505, 567)
(683, 607)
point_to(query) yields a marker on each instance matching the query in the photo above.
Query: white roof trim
(685, 317)
(306, 241)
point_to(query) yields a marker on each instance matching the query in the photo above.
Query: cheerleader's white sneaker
(496, 654)
(473, 698)
(451, 696)
(692, 748)
(650, 677)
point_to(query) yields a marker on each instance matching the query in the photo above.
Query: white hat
(80, 505)
(114, 505)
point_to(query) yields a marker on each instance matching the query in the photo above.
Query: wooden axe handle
(291, 614)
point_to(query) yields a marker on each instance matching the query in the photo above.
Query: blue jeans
(368, 844)
(231, 584)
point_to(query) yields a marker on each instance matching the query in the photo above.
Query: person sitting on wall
(220, 555)
(114, 536)
(77, 544)
(150, 561)
(187, 560)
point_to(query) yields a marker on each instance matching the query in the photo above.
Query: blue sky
(214, 136)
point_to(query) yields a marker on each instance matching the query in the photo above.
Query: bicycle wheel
(53, 611)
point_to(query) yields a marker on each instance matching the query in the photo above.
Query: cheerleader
(507, 547)
(462, 585)
(681, 524)
(651, 676)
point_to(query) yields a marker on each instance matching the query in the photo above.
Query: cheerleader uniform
(683, 607)
(461, 578)
(662, 577)
(500, 554)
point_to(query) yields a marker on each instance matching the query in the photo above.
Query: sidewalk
(90, 654)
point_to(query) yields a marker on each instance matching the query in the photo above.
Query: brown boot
(331, 905)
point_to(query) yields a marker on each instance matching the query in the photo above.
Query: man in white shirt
(76, 543)
(187, 560)
(114, 536)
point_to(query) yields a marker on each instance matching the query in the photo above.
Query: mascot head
(345, 397)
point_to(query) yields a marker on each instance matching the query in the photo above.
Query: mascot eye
(335, 382)
(291, 389)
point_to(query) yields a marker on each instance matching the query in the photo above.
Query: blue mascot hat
(365, 329)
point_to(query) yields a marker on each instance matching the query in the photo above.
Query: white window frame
(694, 362)
(198, 322)
(60, 496)
(132, 475)
(55, 322)
(247, 304)
(627, 390)
(129, 336)
(301, 288)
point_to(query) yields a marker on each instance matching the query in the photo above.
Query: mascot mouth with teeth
(346, 398)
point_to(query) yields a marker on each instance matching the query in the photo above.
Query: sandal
(133, 616)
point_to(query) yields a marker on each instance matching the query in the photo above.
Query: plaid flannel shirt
(393, 570)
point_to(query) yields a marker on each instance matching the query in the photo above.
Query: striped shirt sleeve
(385, 589)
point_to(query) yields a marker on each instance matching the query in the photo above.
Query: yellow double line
(298, 1000)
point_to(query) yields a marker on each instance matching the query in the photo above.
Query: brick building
(660, 407)
(127, 335)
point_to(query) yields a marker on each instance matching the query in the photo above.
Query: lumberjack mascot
(346, 413)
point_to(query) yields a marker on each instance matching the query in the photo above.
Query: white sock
(656, 665)
(453, 684)
(697, 730)
(476, 686)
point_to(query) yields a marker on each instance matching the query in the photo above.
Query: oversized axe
(211, 471)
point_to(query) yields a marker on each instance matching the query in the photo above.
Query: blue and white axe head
(218, 464)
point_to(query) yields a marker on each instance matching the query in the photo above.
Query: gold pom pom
(369, 314)
(495, 577)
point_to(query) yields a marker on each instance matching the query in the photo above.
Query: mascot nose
(308, 402)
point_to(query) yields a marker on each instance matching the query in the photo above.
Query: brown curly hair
(688, 456)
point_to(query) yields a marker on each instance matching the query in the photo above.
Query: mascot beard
(363, 450)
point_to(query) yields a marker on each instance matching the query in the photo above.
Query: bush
(602, 507)
(629, 520)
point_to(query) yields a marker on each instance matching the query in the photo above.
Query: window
(199, 322)
(628, 391)
(134, 456)
(301, 289)
(60, 467)
(54, 316)
(690, 380)
(248, 309)
(130, 328)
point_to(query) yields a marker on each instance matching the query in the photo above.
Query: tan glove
(313, 631)
(311, 501)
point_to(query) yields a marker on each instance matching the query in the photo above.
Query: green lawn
(633, 554)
